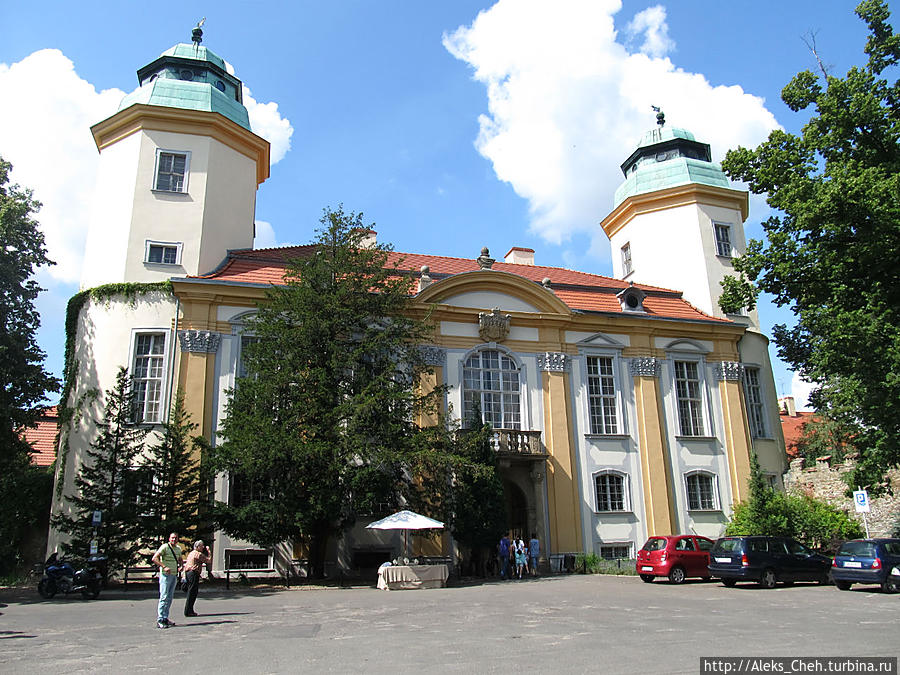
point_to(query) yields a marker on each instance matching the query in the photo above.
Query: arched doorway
(516, 510)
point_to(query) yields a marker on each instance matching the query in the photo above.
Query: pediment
(601, 340)
(485, 290)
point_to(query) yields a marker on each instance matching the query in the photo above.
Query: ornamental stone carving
(553, 362)
(728, 370)
(433, 356)
(202, 341)
(493, 326)
(644, 367)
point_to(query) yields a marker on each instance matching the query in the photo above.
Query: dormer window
(172, 171)
(631, 299)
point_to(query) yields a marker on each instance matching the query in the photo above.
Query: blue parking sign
(861, 499)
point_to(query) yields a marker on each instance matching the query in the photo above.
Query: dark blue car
(766, 560)
(867, 561)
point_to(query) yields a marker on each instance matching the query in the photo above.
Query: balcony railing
(516, 442)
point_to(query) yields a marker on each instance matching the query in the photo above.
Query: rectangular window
(147, 376)
(162, 253)
(610, 492)
(723, 240)
(701, 492)
(689, 398)
(171, 171)
(615, 551)
(602, 395)
(754, 403)
(246, 340)
(248, 560)
(626, 260)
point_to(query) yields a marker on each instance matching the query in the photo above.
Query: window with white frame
(147, 376)
(162, 253)
(626, 260)
(491, 389)
(689, 398)
(755, 415)
(602, 395)
(617, 551)
(171, 171)
(701, 491)
(137, 486)
(612, 491)
(246, 341)
(723, 239)
(242, 490)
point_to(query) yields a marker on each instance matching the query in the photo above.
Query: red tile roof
(43, 438)
(579, 290)
(792, 428)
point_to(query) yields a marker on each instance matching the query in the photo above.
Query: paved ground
(556, 624)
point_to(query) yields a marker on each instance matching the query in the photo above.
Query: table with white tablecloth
(409, 577)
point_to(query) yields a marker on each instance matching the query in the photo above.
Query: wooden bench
(152, 570)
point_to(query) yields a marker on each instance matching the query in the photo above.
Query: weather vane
(660, 115)
(197, 33)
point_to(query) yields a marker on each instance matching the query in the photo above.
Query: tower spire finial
(660, 115)
(197, 33)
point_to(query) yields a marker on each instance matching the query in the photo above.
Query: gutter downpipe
(174, 331)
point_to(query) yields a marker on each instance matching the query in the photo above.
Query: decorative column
(436, 359)
(651, 434)
(196, 376)
(562, 467)
(737, 430)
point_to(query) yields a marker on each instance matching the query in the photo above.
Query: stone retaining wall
(826, 482)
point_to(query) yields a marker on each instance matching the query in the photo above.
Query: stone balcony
(516, 442)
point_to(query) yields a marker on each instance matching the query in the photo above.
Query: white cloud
(567, 104)
(45, 133)
(266, 121)
(651, 23)
(266, 237)
(800, 390)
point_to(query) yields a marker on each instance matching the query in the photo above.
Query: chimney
(786, 404)
(368, 237)
(519, 256)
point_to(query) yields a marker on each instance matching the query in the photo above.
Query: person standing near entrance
(534, 552)
(194, 562)
(168, 559)
(504, 556)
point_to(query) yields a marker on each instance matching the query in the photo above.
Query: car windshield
(863, 549)
(730, 545)
(655, 544)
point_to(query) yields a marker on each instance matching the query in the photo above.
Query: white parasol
(406, 520)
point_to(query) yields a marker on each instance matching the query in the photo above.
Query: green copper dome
(190, 77)
(667, 157)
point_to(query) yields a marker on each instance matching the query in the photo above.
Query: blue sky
(451, 124)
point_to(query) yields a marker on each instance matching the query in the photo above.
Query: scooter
(60, 577)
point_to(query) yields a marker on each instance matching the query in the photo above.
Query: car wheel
(889, 586)
(768, 579)
(843, 585)
(676, 575)
(647, 578)
(729, 583)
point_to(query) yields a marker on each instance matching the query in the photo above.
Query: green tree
(322, 428)
(765, 512)
(24, 383)
(825, 437)
(109, 482)
(831, 250)
(174, 488)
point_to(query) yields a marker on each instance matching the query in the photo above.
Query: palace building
(622, 406)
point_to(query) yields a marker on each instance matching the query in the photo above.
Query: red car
(675, 556)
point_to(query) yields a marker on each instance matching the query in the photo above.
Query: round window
(220, 85)
(186, 75)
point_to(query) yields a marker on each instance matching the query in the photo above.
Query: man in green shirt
(168, 559)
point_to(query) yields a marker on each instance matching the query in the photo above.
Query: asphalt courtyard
(571, 623)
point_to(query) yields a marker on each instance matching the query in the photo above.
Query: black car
(867, 561)
(766, 560)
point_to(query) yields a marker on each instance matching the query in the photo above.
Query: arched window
(612, 491)
(491, 389)
(702, 494)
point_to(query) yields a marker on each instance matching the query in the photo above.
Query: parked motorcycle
(61, 577)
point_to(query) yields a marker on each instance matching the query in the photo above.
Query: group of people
(169, 560)
(518, 559)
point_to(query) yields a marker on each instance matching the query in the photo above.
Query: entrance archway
(516, 510)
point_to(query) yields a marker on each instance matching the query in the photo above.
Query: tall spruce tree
(24, 383)
(322, 428)
(831, 251)
(174, 494)
(108, 482)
